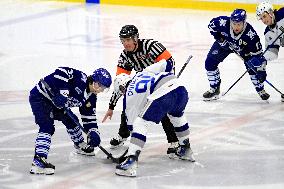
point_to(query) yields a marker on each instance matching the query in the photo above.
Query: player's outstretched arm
(108, 114)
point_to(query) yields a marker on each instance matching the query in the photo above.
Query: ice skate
(117, 142)
(171, 152)
(84, 149)
(212, 94)
(184, 152)
(41, 166)
(263, 95)
(129, 166)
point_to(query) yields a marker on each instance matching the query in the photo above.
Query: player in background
(234, 35)
(148, 97)
(49, 100)
(274, 20)
(138, 54)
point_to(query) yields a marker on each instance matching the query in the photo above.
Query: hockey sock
(76, 135)
(214, 78)
(42, 144)
(258, 86)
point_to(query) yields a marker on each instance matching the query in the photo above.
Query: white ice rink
(238, 140)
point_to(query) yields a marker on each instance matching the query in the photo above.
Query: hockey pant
(45, 113)
(171, 104)
(124, 129)
(216, 55)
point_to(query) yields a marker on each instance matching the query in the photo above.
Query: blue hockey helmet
(129, 31)
(102, 76)
(238, 15)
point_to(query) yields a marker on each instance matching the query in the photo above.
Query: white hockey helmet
(120, 82)
(262, 8)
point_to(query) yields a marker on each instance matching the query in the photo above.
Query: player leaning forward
(148, 97)
(137, 55)
(234, 35)
(274, 20)
(51, 98)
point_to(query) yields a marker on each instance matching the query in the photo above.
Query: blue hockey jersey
(72, 84)
(246, 44)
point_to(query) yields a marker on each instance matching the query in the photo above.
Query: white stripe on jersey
(88, 117)
(61, 78)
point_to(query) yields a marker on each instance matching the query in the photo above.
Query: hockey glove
(258, 66)
(93, 137)
(59, 101)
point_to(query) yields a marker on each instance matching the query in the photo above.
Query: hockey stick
(109, 155)
(184, 65)
(282, 31)
(70, 114)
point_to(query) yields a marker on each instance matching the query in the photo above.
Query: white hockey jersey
(150, 84)
(271, 33)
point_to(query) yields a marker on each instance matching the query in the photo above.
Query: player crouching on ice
(234, 35)
(148, 97)
(51, 98)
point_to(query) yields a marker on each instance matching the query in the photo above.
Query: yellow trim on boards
(73, 1)
(186, 4)
(190, 4)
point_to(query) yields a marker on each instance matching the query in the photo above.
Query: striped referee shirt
(148, 52)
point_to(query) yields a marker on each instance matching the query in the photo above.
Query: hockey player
(234, 35)
(150, 96)
(51, 98)
(274, 19)
(137, 55)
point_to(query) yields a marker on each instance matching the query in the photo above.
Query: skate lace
(84, 146)
(263, 92)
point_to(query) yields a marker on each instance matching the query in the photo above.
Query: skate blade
(41, 171)
(84, 153)
(126, 173)
(211, 99)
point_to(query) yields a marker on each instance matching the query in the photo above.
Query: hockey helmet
(120, 82)
(238, 15)
(262, 8)
(102, 76)
(129, 31)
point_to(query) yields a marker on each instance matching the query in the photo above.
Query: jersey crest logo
(251, 34)
(222, 22)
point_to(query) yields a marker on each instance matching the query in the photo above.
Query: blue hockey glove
(258, 66)
(59, 101)
(93, 137)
